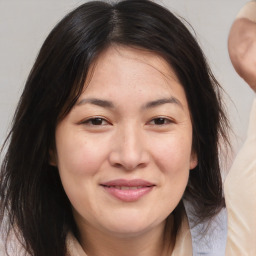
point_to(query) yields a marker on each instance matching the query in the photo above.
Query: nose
(129, 150)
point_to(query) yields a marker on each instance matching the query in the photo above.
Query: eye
(160, 121)
(96, 121)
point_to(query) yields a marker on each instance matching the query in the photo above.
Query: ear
(193, 160)
(52, 157)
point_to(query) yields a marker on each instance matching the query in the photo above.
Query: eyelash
(95, 119)
(161, 119)
(100, 121)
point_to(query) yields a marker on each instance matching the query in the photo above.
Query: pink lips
(128, 190)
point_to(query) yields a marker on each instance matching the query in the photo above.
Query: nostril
(129, 167)
(117, 165)
(142, 165)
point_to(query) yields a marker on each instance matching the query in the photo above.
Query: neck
(155, 242)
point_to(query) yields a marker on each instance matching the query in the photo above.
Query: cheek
(174, 159)
(78, 156)
(174, 165)
(78, 163)
(174, 154)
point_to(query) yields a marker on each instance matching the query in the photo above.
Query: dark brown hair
(32, 196)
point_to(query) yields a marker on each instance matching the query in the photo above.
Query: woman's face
(124, 150)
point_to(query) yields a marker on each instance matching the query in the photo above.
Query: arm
(240, 194)
(240, 184)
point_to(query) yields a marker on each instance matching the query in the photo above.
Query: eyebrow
(159, 102)
(97, 102)
(151, 104)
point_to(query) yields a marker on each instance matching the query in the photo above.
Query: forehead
(127, 79)
(131, 66)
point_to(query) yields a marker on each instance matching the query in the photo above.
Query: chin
(132, 227)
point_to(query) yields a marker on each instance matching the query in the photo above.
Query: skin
(132, 139)
(242, 49)
(240, 182)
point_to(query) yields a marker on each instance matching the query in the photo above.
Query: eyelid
(87, 121)
(168, 119)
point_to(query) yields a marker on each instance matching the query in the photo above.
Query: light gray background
(24, 24)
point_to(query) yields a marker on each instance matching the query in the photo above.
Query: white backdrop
(24, 24)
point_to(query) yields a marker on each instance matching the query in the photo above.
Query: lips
(128, 190)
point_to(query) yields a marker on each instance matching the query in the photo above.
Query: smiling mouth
(128, 191)
(126, 188)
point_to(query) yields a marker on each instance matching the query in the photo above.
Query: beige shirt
(240, 194)
(240, 184)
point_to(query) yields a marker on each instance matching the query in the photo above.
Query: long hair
(32, 196)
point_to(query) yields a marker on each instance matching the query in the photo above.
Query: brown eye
(97, 121)
(160, 121)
